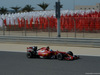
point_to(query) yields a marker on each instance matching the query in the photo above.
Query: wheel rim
(59, 57)
(28, 55)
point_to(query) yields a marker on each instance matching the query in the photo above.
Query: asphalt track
(15, 63)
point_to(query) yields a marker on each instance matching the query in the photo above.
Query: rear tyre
(70, 53)
(29, 55)
(60, 56)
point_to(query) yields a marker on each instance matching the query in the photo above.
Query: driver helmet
(47, 48)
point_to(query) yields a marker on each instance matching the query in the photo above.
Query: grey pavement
(22, 47)
(15, 63)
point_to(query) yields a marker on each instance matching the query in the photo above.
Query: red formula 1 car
(45, 52)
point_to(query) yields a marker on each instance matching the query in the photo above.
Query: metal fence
(73, 27)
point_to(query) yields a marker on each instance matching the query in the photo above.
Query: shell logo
(42, 54)
(47, 54)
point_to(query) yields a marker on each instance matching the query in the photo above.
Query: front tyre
(70, 53)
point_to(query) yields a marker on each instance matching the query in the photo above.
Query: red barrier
(87, 22)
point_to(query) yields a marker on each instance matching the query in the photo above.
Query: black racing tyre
(29, 55)
(70, 53)
(60, 56)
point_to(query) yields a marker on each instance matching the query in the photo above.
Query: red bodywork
(43, 52)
